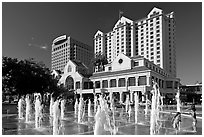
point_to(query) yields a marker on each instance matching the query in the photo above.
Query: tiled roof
(136, 57)
(79, 63)
(84, 70)
(143, 68)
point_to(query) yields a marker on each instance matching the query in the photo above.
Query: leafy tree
(100, 61)
(27, 77)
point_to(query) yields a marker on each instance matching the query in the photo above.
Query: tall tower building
(66, 48)
(120, 39)
(152, 37)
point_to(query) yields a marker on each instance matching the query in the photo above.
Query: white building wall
(150, 40)
(69, 49)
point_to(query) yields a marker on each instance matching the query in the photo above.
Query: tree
(27, 77)
(100, 61)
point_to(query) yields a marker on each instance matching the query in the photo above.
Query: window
(78, 85)
(121, 82)
(131, 81)
(136, 63)
(69, 69)
(142, 80)
(113, 83)
(105, 84)
(169, 84)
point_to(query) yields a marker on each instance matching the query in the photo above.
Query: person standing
(193, 114)
(176, 121)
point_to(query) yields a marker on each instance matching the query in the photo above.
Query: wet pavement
(11, 125)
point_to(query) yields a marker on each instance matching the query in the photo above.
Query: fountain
(76, 105)
(37, 112)
(102, 119)
(28, 108)
(127, 102)
(98, 128)
(20, 108)
(107, 120)
(62, 106)
(95, 103)
(146, 105)
(56, 118)
(130, 109)
(136, 107)
(80, 110)
(51, 104)
(89, 109)
(178, 101)
(156, 100)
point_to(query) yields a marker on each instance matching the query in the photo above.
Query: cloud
(44, 47)
(41, 46)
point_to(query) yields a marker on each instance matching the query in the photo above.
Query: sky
(29, 28)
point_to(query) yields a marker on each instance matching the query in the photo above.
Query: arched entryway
(69, 83)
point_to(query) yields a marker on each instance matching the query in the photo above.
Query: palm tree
(100, 60)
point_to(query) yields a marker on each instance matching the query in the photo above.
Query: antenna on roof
(120, 13)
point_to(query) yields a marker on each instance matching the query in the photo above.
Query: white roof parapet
(59, 38)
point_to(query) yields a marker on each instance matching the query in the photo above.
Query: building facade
(123, 76)
(75, 76)
(65, 48)
(191, 93)
(152, 37)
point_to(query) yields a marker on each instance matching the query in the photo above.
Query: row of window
(60, 47)
(150, 20)
(148, 25)
(155, 68)
(121, 82)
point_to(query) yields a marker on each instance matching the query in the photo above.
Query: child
(193, 114)
(176, 121)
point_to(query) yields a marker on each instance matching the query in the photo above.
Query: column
(108, 83)
(164, 84)
(131, 96)
(173, 85)
(74, 85)
(110, 95)
(126, 83)
(81, 85)
(143, 97)
(121, 96)
(136, 80)
(94, 87)
(101, 86)
(148, 80)
(117, 80)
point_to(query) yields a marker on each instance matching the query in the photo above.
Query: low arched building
(75, 76)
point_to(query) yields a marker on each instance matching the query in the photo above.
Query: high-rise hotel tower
(66, 48)
(152, 37)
